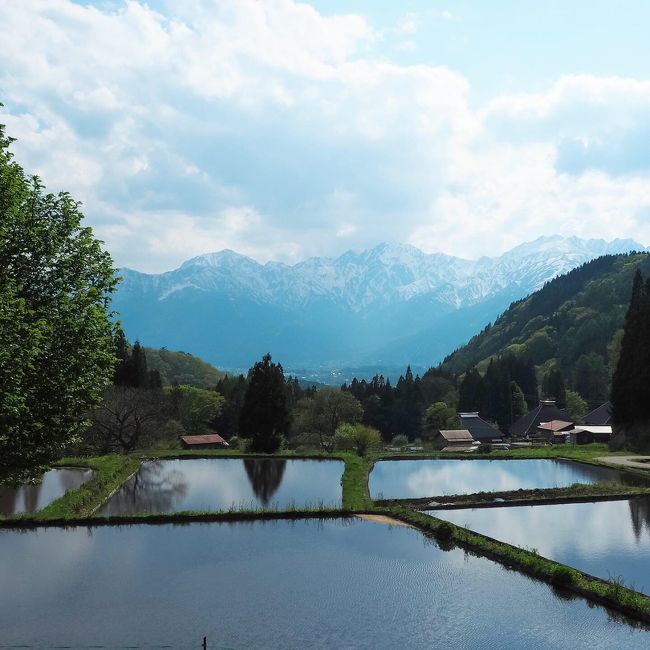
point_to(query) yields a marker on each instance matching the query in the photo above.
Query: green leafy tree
(264, 417)
(439, 416)
(56, 338)
(576, 407)
(360, 437)
(325, 412)
(553, 387)
(196, 408)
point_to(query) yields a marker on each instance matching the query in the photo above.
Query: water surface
(609, 539)
(55, 483)
(404, 479)
(223, 483)
(303, 584)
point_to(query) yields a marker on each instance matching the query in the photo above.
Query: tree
(360, 437)
(439, 416)
(56, 337)
(264, 417)
(576, 407)
(553, 387)
(128, 418)
(195, 408)
(629, 395)
(326, 412)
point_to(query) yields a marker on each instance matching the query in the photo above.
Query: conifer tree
(630, 389)
(264, 416)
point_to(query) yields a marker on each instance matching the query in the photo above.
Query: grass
(355, 482)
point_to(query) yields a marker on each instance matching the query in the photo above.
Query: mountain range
(380, 308)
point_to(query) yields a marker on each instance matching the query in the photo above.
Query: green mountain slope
(182, 368)
(573, 323)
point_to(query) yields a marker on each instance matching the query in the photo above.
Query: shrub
(563, 575)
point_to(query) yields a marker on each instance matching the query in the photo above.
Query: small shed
(585, 433)
(208, 441)
(453, 438)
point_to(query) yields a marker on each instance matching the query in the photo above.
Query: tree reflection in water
(265, 476)
(153, 489)
(640, 515)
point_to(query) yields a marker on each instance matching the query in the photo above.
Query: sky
(285, 130)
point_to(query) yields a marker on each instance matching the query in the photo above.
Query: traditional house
(546, 411)
(456, 438)
(555, 431)
(481, 430)
(601, 416)
(208, 441)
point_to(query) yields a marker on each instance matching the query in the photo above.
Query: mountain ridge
(352, 309)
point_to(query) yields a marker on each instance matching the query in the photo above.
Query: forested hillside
(183, 368)
(573, 324)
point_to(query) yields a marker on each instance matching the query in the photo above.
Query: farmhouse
(480, 429)
(546, 411)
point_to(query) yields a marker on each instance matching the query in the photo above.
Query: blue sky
(289, 129)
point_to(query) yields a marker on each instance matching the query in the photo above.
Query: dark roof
(208, 439)
(479, 428)
(543, 412)
(601, 415)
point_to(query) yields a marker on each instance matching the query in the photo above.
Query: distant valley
(326, 319)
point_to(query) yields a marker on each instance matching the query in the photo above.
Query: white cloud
(271, 129)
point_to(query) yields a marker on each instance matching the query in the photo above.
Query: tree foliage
(264, 417)
(630, 388)
(56, 338)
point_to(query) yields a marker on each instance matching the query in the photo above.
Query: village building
(457, 439)
(600, 416)
(546, 411)
(555, 431)
(208, 441)
(583, 434)
(481, 430)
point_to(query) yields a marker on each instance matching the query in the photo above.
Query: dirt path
(383, 519)
(633, 462)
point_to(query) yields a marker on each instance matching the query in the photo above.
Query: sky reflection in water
(280, 584)
(222, 483)
(403, 479)
(606, 539)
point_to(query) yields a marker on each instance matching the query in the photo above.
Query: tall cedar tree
(630, 392)
(264, 417)
(56, 335)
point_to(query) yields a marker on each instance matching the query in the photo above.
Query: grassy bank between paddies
(610, 593)
(110, 472)
(573, 493)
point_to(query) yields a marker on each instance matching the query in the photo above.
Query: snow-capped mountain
(351, 309)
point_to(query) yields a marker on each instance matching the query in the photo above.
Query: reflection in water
(265, 475)
(54, 484)
(606, 539)
(283, 585)
(401, 479)
(154, 488)
(640, 516)
(212, 484)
